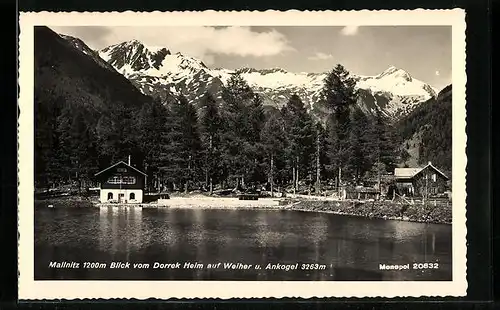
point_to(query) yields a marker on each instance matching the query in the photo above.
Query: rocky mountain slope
(80, 45)
(156, 71)
(68, 71)
(426, 133)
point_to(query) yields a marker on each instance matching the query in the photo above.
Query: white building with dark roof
(121, 183)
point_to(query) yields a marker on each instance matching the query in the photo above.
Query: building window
(110, 196)
(132, 196)
(121, 180)
(114, 180)
(433, 177)
(128, 180)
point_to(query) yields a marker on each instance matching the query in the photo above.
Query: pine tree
(383, 145)
(320, 155)
(116, 131)
(254, 151)
(211, 124)
(152, 129)
(360, 161)
(339, 95)
(192, 140)
(243, 119)
(273, 141)
(299, 128)
(48, 169)
(181, 145)
(78, 149)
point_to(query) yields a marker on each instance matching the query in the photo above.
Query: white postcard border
(45, 290)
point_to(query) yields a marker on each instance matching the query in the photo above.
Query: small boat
(51, 206)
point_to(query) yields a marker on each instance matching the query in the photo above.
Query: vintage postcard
(242, 154)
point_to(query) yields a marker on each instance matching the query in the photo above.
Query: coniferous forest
(88, 117)
(432, 122)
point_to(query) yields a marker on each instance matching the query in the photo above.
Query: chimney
(129, 160)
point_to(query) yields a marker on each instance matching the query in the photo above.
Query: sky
(423, 51)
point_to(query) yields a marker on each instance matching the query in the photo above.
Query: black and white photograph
(245, 153)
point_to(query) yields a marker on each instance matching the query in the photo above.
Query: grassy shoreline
(440, 214)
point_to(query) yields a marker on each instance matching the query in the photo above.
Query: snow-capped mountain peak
(133, 56)
(395, 91)
(395, 73)
(155, 70)
(396, 81)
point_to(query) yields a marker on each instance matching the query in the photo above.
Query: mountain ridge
(157, 71)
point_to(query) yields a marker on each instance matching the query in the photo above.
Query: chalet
(424, 181)
(121, 183)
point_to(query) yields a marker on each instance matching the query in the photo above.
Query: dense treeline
(435, 144)
(237, 144)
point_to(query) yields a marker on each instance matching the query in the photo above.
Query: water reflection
(120, 230)
(350, 248)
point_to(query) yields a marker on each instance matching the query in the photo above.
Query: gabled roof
(118, 163)
(437, 170)
(407, 173)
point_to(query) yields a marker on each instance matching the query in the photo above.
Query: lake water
(343, 247)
